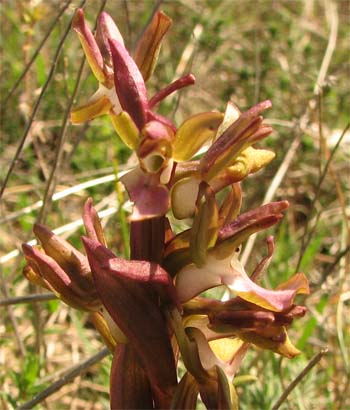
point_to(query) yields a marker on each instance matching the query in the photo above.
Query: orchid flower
(150, 310)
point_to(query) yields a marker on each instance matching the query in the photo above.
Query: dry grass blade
(37, 104)
(34, 56)
(38, 297)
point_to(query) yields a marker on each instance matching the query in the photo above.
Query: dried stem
(36, 297)
(299, 378)
(65, 379)
(307, 236)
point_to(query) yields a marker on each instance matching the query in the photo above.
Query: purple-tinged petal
(276, 340)
(155, 150)
(59, 282)
(265, 262)
(278, 300)
(90, 46)
(240, 320)
(153, 116)
(246, 130)
(129, 84)
(182, 82)
(146, 272)
(192, 281)
(92, 223)
(231, 205)
(232, 235)
(106, 30)
(148, 47)
(147, 239)
(151, 199)
(135, 310)
(129, 385)
(70, 260)
(186, 393)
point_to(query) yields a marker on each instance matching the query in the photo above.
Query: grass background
(295, 53)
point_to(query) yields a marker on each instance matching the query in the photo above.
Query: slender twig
(37, 104)
(34, 56)
(52, 182)
(332, 266)
(299, 378)
(65, 379)
(36, 297)
(306, 238)
(13, 319)
(332, 40)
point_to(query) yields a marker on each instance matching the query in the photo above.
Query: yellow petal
(184, 196)
(126, 128)
(193, 133)
(91, 110)
(225, 348)
(148, 47)
(205, 225)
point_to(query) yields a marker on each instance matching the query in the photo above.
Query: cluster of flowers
(148, 309)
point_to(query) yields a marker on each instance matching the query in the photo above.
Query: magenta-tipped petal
(129, 84)
(134, 308)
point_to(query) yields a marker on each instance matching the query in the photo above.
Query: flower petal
(134, 308)
(70, 260)
(148, 47)
(205, 225)
(92, 223)
(176, 85)
(238, 136)
(183, 197)
(232, 235)
(59, 282)
(231, 205)
(107, 29)
(186, 393)
(129, 385)
(90, 46)
(126, 128)
(91, 110)
(151, 199)
(276, 300)
(277, 340)
(193, 133)
(129, 84)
